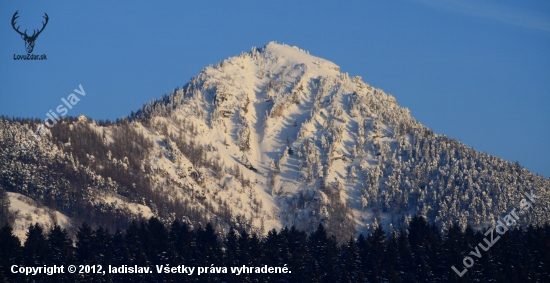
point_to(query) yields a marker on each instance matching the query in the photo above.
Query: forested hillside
(272, 138)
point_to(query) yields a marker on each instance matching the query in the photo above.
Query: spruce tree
(84, 251)
(10, 254)
(297, 245)
(36, 248)
(60, 252)
(392, 259)
(231, 255)
(406, 262)
(104, 252)
(84, 244)
(418, 236)
(350, 263)
(376, 248)
(455, 246)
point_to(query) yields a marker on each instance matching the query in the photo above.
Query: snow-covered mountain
(270, 138)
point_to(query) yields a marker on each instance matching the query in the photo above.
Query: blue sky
(477, 71)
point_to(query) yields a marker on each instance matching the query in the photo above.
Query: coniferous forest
(204, 178)
(419, 254)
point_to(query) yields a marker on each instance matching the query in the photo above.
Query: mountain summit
(273, 137)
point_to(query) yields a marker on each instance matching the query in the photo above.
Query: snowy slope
(277, 137)
(28, 213)
(285, 96)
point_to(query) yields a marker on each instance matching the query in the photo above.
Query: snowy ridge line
(273, 137)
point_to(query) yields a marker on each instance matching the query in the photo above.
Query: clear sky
(477, 71)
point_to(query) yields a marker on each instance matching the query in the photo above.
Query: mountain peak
(270, 138)
(295, 55)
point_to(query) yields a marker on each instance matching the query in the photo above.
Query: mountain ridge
(270, 138)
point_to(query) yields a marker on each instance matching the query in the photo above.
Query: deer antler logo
(29, 40)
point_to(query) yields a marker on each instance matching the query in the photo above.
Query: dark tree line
(419, 254)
